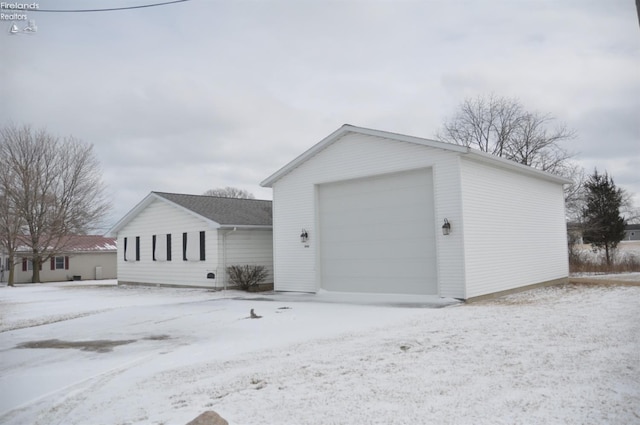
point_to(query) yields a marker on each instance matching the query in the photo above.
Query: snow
(565, 354)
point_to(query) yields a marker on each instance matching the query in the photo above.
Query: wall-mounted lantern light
(304, 236)
(446, 227)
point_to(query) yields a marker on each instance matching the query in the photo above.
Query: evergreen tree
(603, 225)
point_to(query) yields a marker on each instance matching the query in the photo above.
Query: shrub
(247, 275)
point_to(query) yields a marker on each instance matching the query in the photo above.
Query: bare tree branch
(230, 192)
(502, 127)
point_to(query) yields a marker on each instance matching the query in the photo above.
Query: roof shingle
(224, 211)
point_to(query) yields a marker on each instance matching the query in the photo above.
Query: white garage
(363, 211)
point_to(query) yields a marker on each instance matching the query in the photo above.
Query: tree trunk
(36, 269)
(606, 252)
(11, 267)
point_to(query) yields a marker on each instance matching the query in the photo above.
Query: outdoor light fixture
(446, 227)
(304, 236)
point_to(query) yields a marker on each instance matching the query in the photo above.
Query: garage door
(377, 234)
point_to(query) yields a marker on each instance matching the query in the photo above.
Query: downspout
(224, 257)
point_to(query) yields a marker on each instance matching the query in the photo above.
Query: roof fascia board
(347, 128)
(487, 158)
(245, 226)
(409, 139)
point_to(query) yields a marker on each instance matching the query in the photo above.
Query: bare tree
(486, 124)
(628, 210)
(575, 193)
(54, 186)
(502, 127)
(11, 226)
(230, 192)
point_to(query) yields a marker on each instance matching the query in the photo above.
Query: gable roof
(463, 150)
(218, 211)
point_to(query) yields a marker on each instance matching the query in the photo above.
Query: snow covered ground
(79, 353)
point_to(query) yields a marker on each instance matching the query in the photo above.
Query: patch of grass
(581, 262)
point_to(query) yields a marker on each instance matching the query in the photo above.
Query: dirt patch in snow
(98, 345)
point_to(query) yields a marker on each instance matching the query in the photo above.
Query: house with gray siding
(632, 232)
(189, 240)
(377, 212)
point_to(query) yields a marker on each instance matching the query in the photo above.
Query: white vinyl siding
(246, 246)
(514, 229)
(449, 248)
(160, 218)
(356, 156)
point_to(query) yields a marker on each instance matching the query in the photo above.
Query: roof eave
(245, 226)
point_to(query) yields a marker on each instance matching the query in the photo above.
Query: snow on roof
(78, 243)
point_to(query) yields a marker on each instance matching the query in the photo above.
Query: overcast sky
(204, 94)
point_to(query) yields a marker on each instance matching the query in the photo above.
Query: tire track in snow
(56, 410)
(25, 324)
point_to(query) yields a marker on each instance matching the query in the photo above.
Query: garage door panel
(376, 199)
(405, 231)
(377, 231)
(391, 286)
(413, 215)
(404, 268)
(403, 249)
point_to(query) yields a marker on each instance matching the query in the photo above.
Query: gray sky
(204, 94)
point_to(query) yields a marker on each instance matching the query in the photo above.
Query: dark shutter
(201, 246)
(66, 263)
(24, 264)
(125, 249)
(168, 246)
(53, 263)
(184, 247)
(137, 248)
(153, 247)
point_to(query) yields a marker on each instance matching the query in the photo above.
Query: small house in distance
(189, 240)
(371, 211)
(632, 232)
(84, 257)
